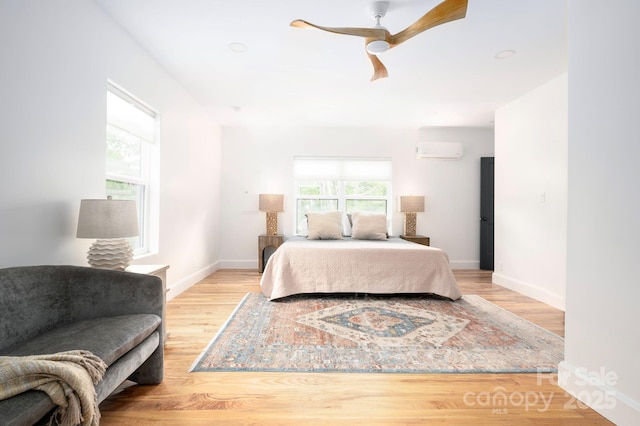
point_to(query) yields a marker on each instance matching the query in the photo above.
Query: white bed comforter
(357, 266)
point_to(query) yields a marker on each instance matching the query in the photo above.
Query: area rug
(386, 334)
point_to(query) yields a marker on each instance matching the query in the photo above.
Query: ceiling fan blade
(379, 70)
(447, 11)
(375, 33)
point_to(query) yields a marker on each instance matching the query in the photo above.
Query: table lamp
(410, 205)
(271, 204)
(109, 222)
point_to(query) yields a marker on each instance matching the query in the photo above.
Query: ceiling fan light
(377, 46)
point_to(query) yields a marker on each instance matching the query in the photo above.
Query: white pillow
(324, 225)
(369, 226)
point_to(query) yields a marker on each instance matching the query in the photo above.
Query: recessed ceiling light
(238, 47)
(505, 54)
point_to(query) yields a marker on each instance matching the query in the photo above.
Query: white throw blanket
(67, 377)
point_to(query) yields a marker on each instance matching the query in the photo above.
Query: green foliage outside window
(318, 187)
(367, 206)
(124, 153)
(129, 191)
(366, 188)
(124, 159)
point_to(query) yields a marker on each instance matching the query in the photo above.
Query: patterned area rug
(391, 334)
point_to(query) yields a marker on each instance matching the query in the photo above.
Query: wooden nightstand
(265, 241)
(159, 271)
(418, 239)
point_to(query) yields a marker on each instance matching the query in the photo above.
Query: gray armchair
(115, 315)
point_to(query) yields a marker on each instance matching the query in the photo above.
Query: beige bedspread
(360, 266)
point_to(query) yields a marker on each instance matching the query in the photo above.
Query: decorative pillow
(324, 225)
(369, 226)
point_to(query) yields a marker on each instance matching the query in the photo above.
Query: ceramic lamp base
(410, 224)
(113, 254)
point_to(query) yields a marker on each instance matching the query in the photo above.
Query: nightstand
(265, 241)
(159, 271)
(418, 239)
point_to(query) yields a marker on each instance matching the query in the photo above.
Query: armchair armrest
(93, 292)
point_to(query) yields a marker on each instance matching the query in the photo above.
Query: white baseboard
(239, 264)
(464, 264)
(182, 285)
(596, 390)
(530, 290)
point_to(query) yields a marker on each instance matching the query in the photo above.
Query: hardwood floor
(186, 398)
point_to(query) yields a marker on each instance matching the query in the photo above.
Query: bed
(386, 266)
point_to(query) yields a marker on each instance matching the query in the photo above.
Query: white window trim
(150, 173)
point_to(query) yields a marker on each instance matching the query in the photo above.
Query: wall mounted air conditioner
(440, 150)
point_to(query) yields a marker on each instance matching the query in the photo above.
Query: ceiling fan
(378, 39)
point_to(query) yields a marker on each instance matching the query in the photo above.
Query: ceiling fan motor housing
(376, 47)
(379, 10)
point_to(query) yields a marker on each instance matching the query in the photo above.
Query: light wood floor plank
(265, 398)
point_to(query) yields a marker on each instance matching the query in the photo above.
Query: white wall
(260, 160)
(603, 269)
(55, 64)
(531, 193)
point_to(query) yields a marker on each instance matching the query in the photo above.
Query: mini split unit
(440, 150)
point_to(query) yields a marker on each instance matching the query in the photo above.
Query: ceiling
(446, 76)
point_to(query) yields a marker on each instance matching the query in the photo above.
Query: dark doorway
(486, 212)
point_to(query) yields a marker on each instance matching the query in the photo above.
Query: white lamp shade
(411, 203)
(102, 219)
(271, 203)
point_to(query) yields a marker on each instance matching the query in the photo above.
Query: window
(345, 184)
(132, 164)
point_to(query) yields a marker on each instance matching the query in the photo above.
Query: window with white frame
(132, 165)
(340, 183)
